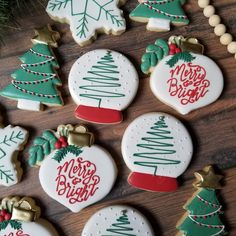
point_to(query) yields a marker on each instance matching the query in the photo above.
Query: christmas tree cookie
(102, 83)
(157, 148)
(159, 14)
(117, 220)
(12, 140)
(88, 17)
(72, 167)
(203, 208)
(21, 217)
(35, 83)
(181, 76)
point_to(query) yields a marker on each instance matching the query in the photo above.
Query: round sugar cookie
(118, 220)
(102, 83)
(157, 148)
(187, 81)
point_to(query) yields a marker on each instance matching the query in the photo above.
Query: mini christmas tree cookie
(157, 148)
(117, 220)
(72, 167)
(88, 17)
(180, 75)
(203, 208)
(21, 217)
(12, 140)
(35, 83)
(103, 83)
(159, 14)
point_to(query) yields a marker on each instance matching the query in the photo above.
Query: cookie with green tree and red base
(88, 17)
(103, 83)
(12, 140)
(35, 83)
(181, 76)
(159, 14)
(203, 208)
(118, 220)
(157, 148)
(73, 170)
(21, 217)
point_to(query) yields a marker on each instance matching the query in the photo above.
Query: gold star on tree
(46, 35)
(207, 178)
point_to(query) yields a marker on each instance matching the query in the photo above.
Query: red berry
(64, 144)
(172, 52)
(177, 50)
(3, 212)
(63, 139)
(58, 145)
(172, 46)
(1, 219)
(7, 216)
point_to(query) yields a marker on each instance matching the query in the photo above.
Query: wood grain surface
(213, 128)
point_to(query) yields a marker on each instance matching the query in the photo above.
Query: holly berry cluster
(4, 215)
(174, 49)
(61, 142)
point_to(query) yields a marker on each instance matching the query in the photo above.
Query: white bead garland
(219, 29)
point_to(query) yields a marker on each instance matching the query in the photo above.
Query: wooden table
(213, 128)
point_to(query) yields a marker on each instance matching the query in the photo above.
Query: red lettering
(18, 233)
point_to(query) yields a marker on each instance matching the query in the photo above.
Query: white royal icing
(164, 150)
(187, 86)
(118, 220)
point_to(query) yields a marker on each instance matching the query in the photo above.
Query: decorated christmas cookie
(12, 140)
(159, 14)
(157, 148)
(88, 17)
(102, 83)
(181, 76)
(35, 83)
(117, 220)
(73, 171)
(21, 217)
(203, 208)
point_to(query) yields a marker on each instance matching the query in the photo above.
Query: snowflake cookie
(12, 139)
(157, 148)
(21, 217)
(118, 220)
(103, 83)
(88, 17)
(72, 167)
(181, 76)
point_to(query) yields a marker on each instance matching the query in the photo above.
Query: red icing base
(98, 115)
(152, 182)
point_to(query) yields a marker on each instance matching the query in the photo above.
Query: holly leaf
(15, 224)
(61, 153)
(3, 225)
(184, 56)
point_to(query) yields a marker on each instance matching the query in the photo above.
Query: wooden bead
(220, 30)
(232, 47)
(226, 39)
(214, 20)
(203, 3)
(209, 11)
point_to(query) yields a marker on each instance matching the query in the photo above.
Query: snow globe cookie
(102, 83)
(35, 83)
(159, 14)
(157, 148)
(12, 140)
(88, 17)
(118, 220)
(72, 166)
(181, 76)
(21, 217)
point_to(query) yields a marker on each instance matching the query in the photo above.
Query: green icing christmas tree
(36, 80)
(204, 208)
(165, 10)
(157, 147)
(120, 227)
(102, 80)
